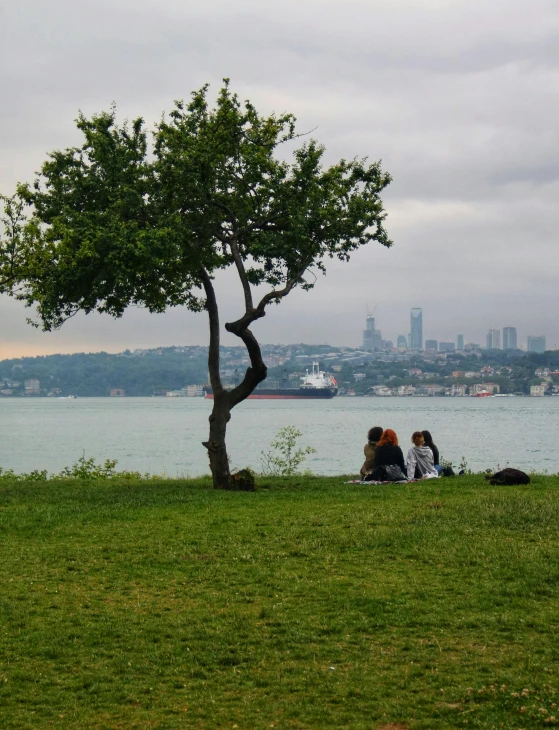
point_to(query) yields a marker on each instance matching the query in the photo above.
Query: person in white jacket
(420, 459)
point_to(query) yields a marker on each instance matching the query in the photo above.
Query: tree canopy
(129, 218)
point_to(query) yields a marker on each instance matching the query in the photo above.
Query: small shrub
(285, 459)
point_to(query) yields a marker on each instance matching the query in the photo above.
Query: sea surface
(164, 435)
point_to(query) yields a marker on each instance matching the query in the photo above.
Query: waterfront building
(458, 389)
(194, 391)
(460, 342)
(484, 388)
(493, 340)
(416, 334)
(32, 385)
(536, 343)
(538, 390)
(510, 339)
(431, 345)
(446, 346)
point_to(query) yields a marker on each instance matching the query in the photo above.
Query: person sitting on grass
(420, 459)
(388, 453)
(373, 437)
(436, 458)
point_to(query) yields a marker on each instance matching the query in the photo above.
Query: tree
(117, 222)
(12, 243)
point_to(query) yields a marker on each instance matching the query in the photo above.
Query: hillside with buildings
(182, 371)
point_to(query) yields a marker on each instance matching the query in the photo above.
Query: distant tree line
(97, 374)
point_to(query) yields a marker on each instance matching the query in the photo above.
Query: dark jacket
(388, 454)
(435, 453)
(369, 451)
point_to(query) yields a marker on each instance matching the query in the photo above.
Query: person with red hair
(388, 453)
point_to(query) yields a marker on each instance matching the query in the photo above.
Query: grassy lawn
(308, 604)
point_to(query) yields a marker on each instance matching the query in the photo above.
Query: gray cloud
(457, 98)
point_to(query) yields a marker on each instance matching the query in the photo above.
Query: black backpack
(508, 477)
(385, 473)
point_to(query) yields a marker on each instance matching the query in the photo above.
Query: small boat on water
(483, 394)
(314, 384)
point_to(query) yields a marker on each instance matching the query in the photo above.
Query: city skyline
(505, 338)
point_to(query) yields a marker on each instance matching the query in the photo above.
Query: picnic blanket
(403, 481)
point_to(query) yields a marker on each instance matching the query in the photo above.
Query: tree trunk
(217, 451)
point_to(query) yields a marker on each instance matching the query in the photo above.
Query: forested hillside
(96, 374)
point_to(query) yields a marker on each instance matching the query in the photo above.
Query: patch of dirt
(392, 726)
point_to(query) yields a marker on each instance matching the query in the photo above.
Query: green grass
(308, 604)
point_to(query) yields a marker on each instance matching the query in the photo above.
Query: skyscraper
(372, 338)
(369, 333)
(416, 334)
(536, 343)
(402, 341)
(493, 340)
(459, 342)
(431, 345)
(510, 340)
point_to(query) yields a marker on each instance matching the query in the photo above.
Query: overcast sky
(459, 98)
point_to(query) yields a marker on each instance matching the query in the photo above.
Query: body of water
(164, 435)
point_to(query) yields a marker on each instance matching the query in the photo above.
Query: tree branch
(234, 246)
(277, 294)
(258, 370)
(254, 374)
(240, 325)
(249, 306)
(213, 351)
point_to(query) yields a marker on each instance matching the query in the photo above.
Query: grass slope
(308, 604)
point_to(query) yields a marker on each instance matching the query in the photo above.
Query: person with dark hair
(388, 453)
(369, 450)
(428, 439)
(420, 459)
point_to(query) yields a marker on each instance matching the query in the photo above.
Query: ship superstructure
(314, 384)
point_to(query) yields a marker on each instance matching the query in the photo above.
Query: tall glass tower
(493, 340)
(510, 340)
(536, 344)
(416, 329)
(369, 334)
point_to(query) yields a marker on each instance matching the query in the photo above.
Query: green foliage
(84, 470)
(9, 475)
(95, 374)
(115, 222)
(285, 459)
(88, 469)
(327, 605)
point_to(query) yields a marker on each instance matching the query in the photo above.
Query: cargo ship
(314, 384)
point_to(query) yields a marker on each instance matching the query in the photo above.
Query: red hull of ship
(273, 397)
